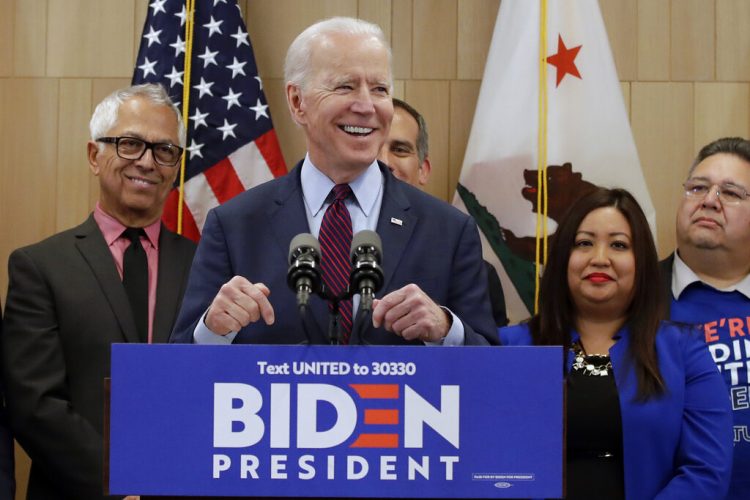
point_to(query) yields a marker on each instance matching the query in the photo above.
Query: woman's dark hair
(556, 317)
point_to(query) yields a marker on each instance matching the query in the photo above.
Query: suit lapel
(287, 219)
(173, 268)
(93, 248)
(395, 227)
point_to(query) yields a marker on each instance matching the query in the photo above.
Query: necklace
(598, 365)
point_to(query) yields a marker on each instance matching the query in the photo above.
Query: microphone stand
(333, 323)
(334, 317)
(364, 317)
(303, 313)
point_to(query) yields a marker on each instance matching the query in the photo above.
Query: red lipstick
(599, 277)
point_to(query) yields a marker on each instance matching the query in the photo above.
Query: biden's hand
(239, 303)
(411, 314)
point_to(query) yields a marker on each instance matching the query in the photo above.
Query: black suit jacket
(7, 463)
(66, 306)
(425, 241)
(497, 297)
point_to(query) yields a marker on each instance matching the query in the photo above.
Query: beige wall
(684, 67)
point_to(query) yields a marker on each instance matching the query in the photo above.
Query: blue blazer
(425, 241)
(678, 445)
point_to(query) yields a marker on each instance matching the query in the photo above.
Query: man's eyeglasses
(132, 148)
(729, 194)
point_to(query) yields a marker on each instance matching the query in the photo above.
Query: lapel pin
(396, 221)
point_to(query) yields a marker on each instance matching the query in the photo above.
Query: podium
(336, 421)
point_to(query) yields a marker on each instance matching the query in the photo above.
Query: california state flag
(573, 127)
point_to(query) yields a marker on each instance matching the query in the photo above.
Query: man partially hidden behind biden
(434, 291)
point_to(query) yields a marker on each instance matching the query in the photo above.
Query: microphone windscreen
(303, 240)
(366, 238)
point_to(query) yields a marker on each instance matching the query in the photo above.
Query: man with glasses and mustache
(118, 277)
(708, 277)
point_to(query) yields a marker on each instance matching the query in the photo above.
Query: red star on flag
(564, 60)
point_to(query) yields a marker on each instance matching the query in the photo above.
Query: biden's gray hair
(297, 63)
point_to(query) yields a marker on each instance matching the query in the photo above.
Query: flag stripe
(189, 227)
(200, 198)
(244, 158)
(223, 180)
(268, 144)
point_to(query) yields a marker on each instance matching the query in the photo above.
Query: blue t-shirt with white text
(725, 319)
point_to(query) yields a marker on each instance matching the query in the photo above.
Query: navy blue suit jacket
(425, 241)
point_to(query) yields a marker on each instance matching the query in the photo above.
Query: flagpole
(190, 18)
(541, 195)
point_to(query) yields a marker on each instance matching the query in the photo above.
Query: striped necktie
(335, 242)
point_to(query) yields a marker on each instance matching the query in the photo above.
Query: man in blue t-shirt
(708, 277)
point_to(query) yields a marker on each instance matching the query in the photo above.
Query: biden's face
(345, 106)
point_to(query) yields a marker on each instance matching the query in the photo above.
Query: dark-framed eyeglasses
(133, 148)
(728, 194)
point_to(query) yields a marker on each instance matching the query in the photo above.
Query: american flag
(231, 142)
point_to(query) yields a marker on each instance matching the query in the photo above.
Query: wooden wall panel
(464, 96)
(476, 22)
(401, 37)
(732, 40)
(7, 35)
(72, 167)
(378, 12)
(101, 88)
(432, 99)
(434, 43)
(23, 464)
(30, 25)
(139, 18)
(272, 26)
(621, 22)
(290, 136)
(653, 40)
(77, 26)
(27, 160)
(662, 120)
(692, 40)
(398, 89)
(721, 110)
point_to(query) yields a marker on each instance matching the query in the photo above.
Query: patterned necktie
(135, 280)
(335, 242)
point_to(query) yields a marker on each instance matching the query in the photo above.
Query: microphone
(303, 275)
(366, 277)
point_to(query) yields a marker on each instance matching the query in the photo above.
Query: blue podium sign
(322, 421)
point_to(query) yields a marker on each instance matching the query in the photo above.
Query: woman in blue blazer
(647, 413)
